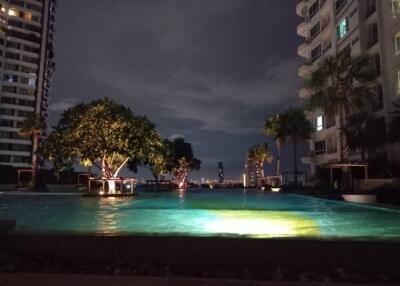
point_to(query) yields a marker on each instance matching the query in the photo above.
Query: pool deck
(203, 256)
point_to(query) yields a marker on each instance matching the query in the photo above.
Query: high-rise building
(26, 68)
(358, 27)
(253, 174)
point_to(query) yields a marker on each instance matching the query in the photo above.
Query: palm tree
(297, 129)
(33, 126)
(341, 83)
(274, 128)
(394, 125)
(259, 154)
(362, 132)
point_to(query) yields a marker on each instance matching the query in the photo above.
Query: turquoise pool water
(230, 213)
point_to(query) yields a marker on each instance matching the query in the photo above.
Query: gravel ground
(15, 264)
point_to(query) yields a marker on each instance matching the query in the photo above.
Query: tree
(341, 83)
(361, 133)
(297, 129)
(274, 128)
(103, 134)
(258, 155)
(394, 125)
(33, 126)
(156, 161)
(182, 161)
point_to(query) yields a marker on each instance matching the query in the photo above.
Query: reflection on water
(108, 215)
(263, 224)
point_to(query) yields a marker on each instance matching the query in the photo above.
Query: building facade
(253, 174)
(358, 27)
(26, 68)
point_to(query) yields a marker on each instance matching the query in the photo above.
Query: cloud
(207, 70)
(175, 136)
(62, 105)
(216, 104)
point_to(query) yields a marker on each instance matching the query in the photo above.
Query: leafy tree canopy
(260, 153)
(101, 133)
(342, 81)
(182, 150)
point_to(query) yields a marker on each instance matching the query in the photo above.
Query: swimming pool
(229, 213)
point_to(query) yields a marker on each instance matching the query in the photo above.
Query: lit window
(319, 123)
(10, 78)
(397, 43)
(398, 83)
(3, 9)
(13, 12)
(343, 28)
(395, 7)
(27, 16)
(32, 81)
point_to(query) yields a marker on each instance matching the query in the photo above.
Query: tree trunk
(341, 124)
(278, 158)
(295, 161)
(156, 180)
(35, 147)
(363, 154)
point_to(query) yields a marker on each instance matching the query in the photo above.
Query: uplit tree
(33, 126)
(182, 161)
(156, 161)
(103, 134)
(258, 155)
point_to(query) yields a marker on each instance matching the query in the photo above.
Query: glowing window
(319, 123)
(398, 83)
(395, 7)
(343, 28)
(27, 16)
(32, 82)
(13, 12)
(397, 43)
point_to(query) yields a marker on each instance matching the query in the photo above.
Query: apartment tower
(26, 68)
(358, 27)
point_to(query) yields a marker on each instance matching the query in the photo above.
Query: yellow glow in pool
(262, 224)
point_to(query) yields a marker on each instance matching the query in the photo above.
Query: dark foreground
(195, 257)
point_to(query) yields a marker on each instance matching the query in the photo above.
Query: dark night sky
(209, 70)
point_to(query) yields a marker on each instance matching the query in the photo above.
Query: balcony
(326, 48)
(304, 93)
(303, 50)
(324, 7)
(371, 9)
(340, 4)
(303, 28)
(372, 41)
(306, 70)
(308, 160)
(325, 26)
(301, 8)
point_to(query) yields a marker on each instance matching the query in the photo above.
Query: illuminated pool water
(200, 213)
